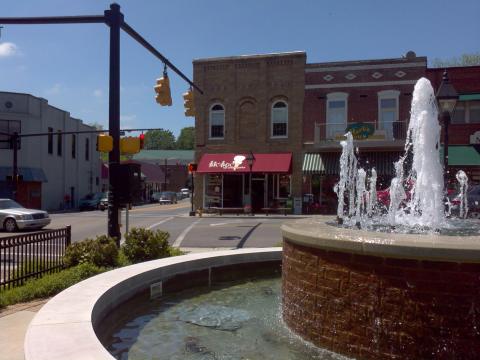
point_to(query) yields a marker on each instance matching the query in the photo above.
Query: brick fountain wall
(371, 307)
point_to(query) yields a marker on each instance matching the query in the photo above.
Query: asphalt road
(185, 231)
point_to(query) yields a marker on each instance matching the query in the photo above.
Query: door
(258, 194)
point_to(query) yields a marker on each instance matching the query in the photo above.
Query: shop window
(283, 186)
(50, 140)
(217, 121)
(474, 112)
(387, 111)
(213, 190)
(336, 114)
(279, 120)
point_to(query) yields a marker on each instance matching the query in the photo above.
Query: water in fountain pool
(241, 321)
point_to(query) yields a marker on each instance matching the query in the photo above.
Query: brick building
(279, 107)
(251, 104)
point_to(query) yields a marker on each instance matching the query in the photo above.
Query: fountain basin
(382, 295)
(65, 326)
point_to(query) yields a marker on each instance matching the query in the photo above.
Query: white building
(55, 168)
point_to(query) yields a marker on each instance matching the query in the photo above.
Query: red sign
(237, 163)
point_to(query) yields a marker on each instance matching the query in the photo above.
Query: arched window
(217, 121)
(279, 120)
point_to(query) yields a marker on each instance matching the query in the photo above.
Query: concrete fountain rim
(64, 328)
(317, 233)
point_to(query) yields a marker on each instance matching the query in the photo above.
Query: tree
(186, 139)
(159, 140)
(464, 60)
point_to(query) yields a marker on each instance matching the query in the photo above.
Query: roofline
(253, 56)
(419, 59)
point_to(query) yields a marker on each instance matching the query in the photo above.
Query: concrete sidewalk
(14, 322)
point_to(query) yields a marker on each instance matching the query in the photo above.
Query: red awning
(236, 163)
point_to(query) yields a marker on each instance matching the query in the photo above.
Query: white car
(185, 192)
(14, 216)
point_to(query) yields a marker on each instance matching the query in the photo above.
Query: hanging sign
(360, 131)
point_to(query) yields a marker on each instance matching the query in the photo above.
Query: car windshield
(168, 193)
(88, 197)
(9, 204)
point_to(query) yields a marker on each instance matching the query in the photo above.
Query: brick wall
(382, 308)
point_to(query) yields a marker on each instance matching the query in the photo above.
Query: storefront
(321, 173)
(230, 183)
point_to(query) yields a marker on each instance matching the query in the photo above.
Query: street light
(250, 160)
(447, 98)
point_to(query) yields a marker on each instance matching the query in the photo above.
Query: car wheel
(10, 225)
(474, 215)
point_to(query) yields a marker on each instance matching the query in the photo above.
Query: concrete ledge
(65, 327)
(315, 232)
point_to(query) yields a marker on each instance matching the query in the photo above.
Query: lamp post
(250, 160)
(447, 98)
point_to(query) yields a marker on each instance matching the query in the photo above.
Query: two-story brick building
(279, 107)
(252, 104)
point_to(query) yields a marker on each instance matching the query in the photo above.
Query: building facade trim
(362, 84)
(365, 67)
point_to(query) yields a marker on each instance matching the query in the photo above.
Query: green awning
(328, 163)
(459, 155)
(468, 97)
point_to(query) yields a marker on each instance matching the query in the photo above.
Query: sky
(68, 64)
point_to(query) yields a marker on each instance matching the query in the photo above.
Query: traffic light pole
(114, 19)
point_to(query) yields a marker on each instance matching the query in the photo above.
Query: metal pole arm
(130, 31)
(95, 19)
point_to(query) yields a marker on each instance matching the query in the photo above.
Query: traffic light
(104, 143)
(192, 167)
(188, 103)
(129, 145)
(162, 89)
(142, 141)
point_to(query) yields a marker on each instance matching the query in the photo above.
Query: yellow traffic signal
(188, 103)
(129, 145)
(162, 89)
(104, 143)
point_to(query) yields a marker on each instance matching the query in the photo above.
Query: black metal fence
(31, 255)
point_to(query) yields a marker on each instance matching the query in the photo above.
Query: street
(185, 231)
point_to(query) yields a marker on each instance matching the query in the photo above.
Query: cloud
(128, 121)
(7, 49)
(98, 93)
(54, 90)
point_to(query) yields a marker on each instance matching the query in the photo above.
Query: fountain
(388, 285)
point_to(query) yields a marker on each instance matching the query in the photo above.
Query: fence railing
(366, 130)
(31, 255)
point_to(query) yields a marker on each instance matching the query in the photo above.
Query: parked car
(168, 197)
(103, 204)
(91, 201)
(185, 192)
(14, 216)
(180, 195)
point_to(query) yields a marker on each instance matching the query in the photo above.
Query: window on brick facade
(466, 112)
(279, 120)
(336, 114)
(388, 112)
(217, 121)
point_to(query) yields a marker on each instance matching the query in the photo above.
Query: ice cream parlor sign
(237, 163)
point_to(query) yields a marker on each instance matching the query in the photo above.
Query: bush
(102, 251)
(48, 285)
(143, 245)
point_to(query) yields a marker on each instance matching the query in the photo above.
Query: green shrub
(48, 285)
(143, 245)
(102, 251)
